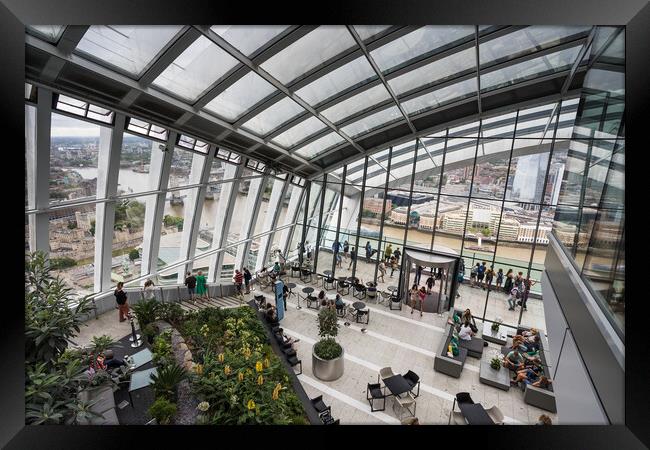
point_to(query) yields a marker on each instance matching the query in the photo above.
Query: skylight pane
(319, 146)
(435, 71)
(240, 97)
(417, 43)
(299, 132)
(533, 68)
(198, 67)
(51, 33)
(526, 40)
(368, 31)
(440, 97)
(273, 116)
(315, 48)
(130, 48)
(352, 73)
(248, 38)
(372, 122)
(359, 102)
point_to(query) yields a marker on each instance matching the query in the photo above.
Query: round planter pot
(327, 369)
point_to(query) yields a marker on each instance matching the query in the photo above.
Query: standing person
(393, 265)
(499, 281)
(247, 279)
(346, 250)
(353, 257)
(122, 302)
(382, 271)
(149, 290)
(336, 245)
(339, 261)
(512, 298)
(473, 274)
(285, 294)
(190, 282)
(418, 275)
(528, 283)
(201, 289)
(308, 248)
(388, 252)
(422, 293)
(489, 275)
(519, 281)
(238, 279)
(507, 286)
(397, 255)
(430, 283)
(413, 296)
(480, 275)
(368, 251)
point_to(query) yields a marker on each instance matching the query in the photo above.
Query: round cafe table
(307, 290)
(291, 286)
(359, 305)
(353, 280)
(392, 288)
(327, 272)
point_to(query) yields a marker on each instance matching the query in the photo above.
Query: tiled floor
(392, 338)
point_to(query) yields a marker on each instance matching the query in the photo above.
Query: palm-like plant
(166, 380)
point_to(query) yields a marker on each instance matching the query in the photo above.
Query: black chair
(341, 311)
(311, 300)
(335, 422)
(294, 361)
(295, 269)
(394, 301)
(305, 275)
(329, 283)
(320, 406)
(374, 392)
(361, 314)
(464, 397)
(359, 291)
(343, 286)
(413, 380)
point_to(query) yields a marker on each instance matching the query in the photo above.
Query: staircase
(224, 302)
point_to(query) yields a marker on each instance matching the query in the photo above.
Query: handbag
(473, 328)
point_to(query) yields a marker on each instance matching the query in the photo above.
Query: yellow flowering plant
(251, 405)
(226, 370)
(260, 380)
(258, 366)
(240, 376)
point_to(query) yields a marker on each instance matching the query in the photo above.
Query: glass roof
(367, 31)
(310, 51)
(372, 122)
(417, 43)
(319, 146)
(356, 103)
(346, 76)
(248, 38)
(273, 116)
(299, 132)
(240, 97)
(197, 68)
(440, 97)
(130, 48)
(51, 33)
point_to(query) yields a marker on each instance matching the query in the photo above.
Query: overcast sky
(68, 127)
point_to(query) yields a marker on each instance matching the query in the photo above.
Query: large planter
(327, 369)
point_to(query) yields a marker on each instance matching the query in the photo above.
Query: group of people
(523, 360)
(516, 286)
(418, 293)
(196, 286)
(336, 304)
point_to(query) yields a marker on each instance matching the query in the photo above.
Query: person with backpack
(499, 281)
(336, 245)
(480, 275)
(473, 274)
(489, 275)
(190, 282)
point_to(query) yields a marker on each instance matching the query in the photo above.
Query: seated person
(276, 268)
(530, 361)
(465, 332)
(530, 334)
(467, 317)
(287, 339)
(543, 382)
(339, 302)
(528, 375)
(518, 343)
(534, 345)
(271, 313)
(331, 304)
(514, 360)
(322, 298)
(112, 362)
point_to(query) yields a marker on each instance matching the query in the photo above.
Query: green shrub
(102, 343)
(162, 349)
(328, 325)
(167, 379)
(62, 263)
(134, 254)
(327, 349)
(162, 410)
(170, 312)
(146, 312)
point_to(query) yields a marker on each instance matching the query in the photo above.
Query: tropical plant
(170, 312)
(162, 410)
(146, 312)
(495, 363)
(62, 263)
(150, 332)
(162, 349)
(102, 343)
(167, 379)
(134, 254)
(328, 327)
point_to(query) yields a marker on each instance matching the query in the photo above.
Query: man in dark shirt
(121, 299)
(190, 282)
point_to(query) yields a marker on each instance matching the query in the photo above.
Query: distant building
(527, 233)
(399, 215)
(375, 205)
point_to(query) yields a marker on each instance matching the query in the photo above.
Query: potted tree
(327, 354)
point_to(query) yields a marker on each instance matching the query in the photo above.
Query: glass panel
(240, 97)
(135, 175)
(527, 40)
(74, 150)
(319, 146)
(417, 43)
(491, 170)
(171, 231)
(517, 233)
(72, 246)
(452, 213)
(186, 168)
(376, 172)
(308, 52)
(351, 74)
(50, 32)
(436, 71)
(372, 121)
(272, 117)
(440, 97)
(527, 172)
(216, 198)
(459, 166)
(128, 233)
(368, 31)
(197, 68)
(299, 132)
(130, 48)
(248, 38)
(537, 67)
(356, 103)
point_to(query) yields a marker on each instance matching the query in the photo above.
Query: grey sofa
(452, 366)
(476, 345)
(543, 398)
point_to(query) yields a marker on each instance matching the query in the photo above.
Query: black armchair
(464, 397)
(395, 303)
(361, 314)
(374, 392)
(312, 300)
(359, 291)
(295, 269)
(343, 287)
(294, 361)
(320, 406)
(413, 380)
(329, 283)
(305, 275)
